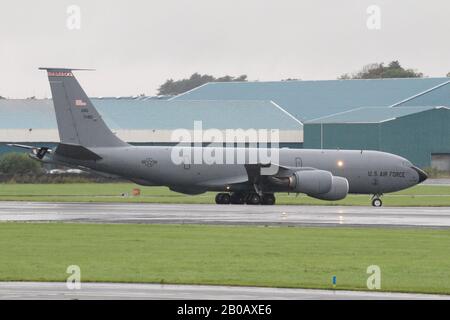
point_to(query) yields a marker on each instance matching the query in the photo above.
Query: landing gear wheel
(223, 198)
(268, 199)
(253, 198)
(237, 198)
(219, 198)
(377, 202)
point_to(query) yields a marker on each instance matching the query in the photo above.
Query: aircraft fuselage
(367, 172)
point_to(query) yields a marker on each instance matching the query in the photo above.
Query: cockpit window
(406, 164)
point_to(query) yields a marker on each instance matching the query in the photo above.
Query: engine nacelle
(311, 181)
(338, 191)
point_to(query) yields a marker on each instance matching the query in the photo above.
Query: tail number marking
(59, 74)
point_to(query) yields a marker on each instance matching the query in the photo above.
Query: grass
(422, 195)
(411, 260)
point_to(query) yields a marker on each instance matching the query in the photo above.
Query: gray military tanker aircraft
(88, 144)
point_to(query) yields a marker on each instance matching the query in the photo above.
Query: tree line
(380, 71)
(174, 87)
(370, 71)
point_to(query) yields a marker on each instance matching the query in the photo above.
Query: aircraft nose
(422, 175)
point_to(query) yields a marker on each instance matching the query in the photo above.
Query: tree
(18, 163)
(448, 74)
(1, 97)
(172, 87)
(345, 76)
(380, 71)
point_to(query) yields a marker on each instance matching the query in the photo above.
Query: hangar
(145, 122)
(420, 134)
(308, 100)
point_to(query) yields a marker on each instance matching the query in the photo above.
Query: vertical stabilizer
(79, 123)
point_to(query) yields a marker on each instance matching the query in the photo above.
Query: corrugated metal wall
(417, 136)
(341, 136)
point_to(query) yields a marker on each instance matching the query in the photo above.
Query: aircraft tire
(237, 198)
(253, 199)
(377, 202)
(226, 199)
(222, 198)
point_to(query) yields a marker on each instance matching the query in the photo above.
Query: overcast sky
(136, 45)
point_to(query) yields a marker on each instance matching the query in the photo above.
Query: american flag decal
(80, 103)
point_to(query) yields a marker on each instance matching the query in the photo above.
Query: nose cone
(422, 175)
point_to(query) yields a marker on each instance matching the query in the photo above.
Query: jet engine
(319, 184)
(338, 191)
(311, 181)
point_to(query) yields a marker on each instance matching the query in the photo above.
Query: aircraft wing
(256, 172)
(225, 181)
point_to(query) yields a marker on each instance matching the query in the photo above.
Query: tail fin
(79, 123)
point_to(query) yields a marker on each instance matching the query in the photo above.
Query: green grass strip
(422, 195)
(411, 260)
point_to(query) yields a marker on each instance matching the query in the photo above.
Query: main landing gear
(247, 198)
(376, 201)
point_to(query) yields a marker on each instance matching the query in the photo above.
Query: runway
(104, 291)
(437, 182)
(226, 214)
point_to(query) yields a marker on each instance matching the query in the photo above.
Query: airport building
(407, 117)
(148, 121)
(420, 134)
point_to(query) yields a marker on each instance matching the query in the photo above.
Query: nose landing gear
(376, 201)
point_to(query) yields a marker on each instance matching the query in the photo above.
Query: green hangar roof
(371, 115)
(307, 100)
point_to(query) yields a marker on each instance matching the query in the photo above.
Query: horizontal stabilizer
(24, 146)
(38, 152)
